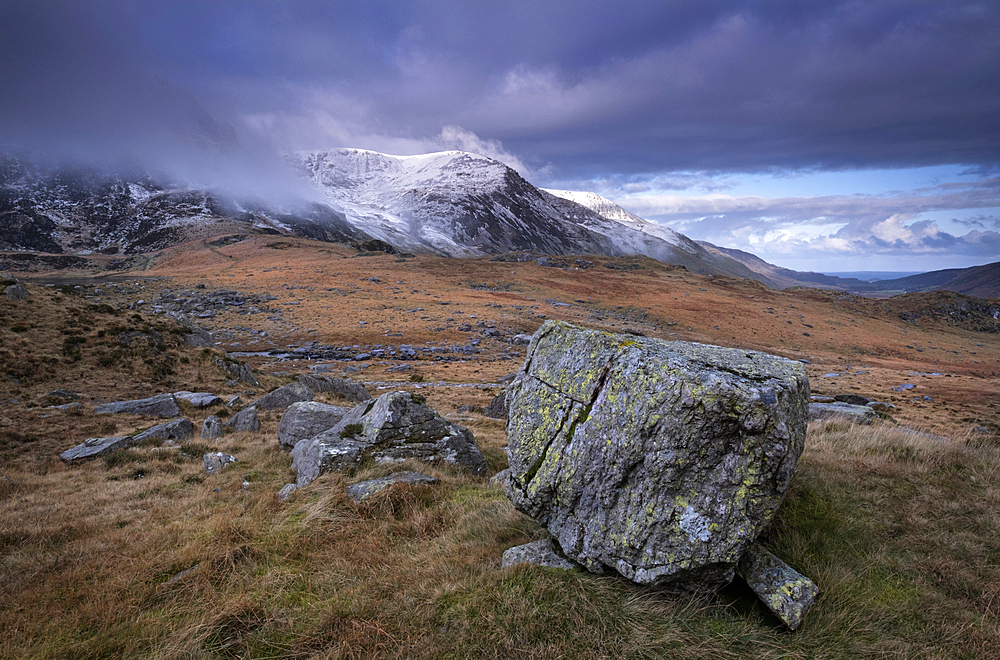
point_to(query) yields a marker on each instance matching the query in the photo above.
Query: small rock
(843, 411)
(286, 492)
(365, 489)
(216, 460)
(211, 428)
(540, 553)
(853, 399)
(785, 591)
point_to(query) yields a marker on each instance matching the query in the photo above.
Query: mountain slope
(77, 208)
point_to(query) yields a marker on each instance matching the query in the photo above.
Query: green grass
(902, 536)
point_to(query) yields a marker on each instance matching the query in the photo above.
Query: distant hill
(979, 281)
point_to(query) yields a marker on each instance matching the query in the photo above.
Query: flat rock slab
(365, 489)
(843, 411)
(307, 419)
(539, 553)
(785, 591)
(660, 460)
(161, 405)
(175, 429)
(199, 399)
(92, 448)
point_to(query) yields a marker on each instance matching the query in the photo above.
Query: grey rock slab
(283, 397)
(539, 553)
(785, 591)
(286, 492)
(842, 411)
(365, 489)
(244, 420)
(306, 419)
(16, 291)
(497, 408)
(211, 428)
(393, 427)
(349, 389)
(216, 460)
(92, 448)
(661, 460)
(853, 399)
(198, 399)
(175, 429)
(161, 405)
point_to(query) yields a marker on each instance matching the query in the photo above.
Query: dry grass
(901, 532)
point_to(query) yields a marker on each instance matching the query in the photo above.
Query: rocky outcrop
(660, 460)
(283, 397)
(307, 419)
(349, 389)
(161, 405)
(392, 427)
(238, 371)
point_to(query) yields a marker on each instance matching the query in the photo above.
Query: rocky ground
(455, 327)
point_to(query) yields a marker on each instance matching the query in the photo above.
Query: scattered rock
(843, 411)
(365, 489)
(662, 460)
(244, 420)
(92, 448)
(785, 591)
(853, 399)
(497, 408)
(63, 394)
(16, 291)
(349, 389)
(216, 460)
(283, 397)
(540, 553)
(234, 401)
(306, 419)
(175, 429)
(286, 492)
(199, 399)
(211, 428)
(238, 371)
(74, 405)
(392, 427)
(521, 340)
(161, 405)
(881, 406)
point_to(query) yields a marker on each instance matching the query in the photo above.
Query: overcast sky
(819, 135)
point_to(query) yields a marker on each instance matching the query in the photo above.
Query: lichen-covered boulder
(785, 591)
(393, 427)
(660, 460)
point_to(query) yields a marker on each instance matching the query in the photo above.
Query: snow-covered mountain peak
(612, 211)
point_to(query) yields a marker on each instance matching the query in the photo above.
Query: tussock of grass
(901, 532)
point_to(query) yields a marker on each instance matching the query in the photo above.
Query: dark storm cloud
(588, 87)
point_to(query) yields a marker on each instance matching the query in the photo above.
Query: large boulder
(175, 429)
(161, 405)
(306, 419)
(244, 420)
(199, 399)
(393, 427)
(92, 448)
(283, 397)
(660, 460)
(349, 389)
